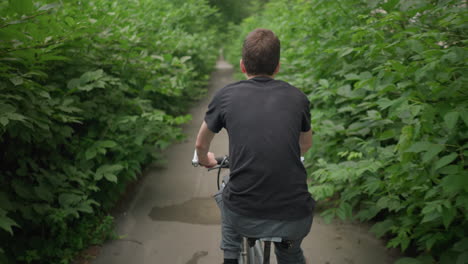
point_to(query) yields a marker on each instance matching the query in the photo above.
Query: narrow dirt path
(172, 219)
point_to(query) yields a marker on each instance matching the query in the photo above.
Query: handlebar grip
(195, 159)
(219, 160)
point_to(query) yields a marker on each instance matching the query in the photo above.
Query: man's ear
(277, 69)
(242, 66)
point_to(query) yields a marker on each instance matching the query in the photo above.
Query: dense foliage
(233, 11)
(89, 92)
(387, 82)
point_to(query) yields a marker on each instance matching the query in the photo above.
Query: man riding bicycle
(268, 123)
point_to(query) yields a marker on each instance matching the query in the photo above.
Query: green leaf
(405, 138)
(448, 215)
(381, 228)
(415, 45)
(73, 83)
(110, 177)
(5, 203)
(345, 91)
(382, 203)
(345, 211)
(21, 6)
(385, 103)
(462, 258)
(48, 7)
(107, 144)
(451, 119)
(352, 76)
(445, 160)
(322, 191)
(389, 5)
(451, 169)
(91, 76)
(324, 83)
(85, 207)
(328, 215)
(108, 172)
(408, 261)
(419, 147)
(461, 245)
(368, 213)
(16, 117)
(372, 185)
(168, 57)
(346, 51)
(86, 88)
(387, 134)
(68, 199)
(464, 116)
(90, 153)
(70, 21)
(109, 168)
(17, 80)
(46, 58)
(185, 58)
(44, 193)
(7, 223)
(430, 216)
(432, 152)
(453, 183)
(22, 189)
(4, 121)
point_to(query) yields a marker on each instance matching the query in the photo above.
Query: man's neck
(261, 75)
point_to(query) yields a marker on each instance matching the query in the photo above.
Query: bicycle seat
(272, 239)
(278, 240)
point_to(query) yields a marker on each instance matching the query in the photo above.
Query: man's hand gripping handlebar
(223, 162)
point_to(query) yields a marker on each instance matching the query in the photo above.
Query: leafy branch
(40, 46)
(25, 19)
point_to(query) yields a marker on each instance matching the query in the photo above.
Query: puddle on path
(198, 255)
(202, 211)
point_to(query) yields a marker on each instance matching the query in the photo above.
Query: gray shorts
(235, 226)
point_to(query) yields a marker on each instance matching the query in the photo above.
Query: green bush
(388, 85)
(89, 92)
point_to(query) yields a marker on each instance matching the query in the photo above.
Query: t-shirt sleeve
(214, 117)
(306, 117)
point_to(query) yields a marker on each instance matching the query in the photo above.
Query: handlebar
(223, 162)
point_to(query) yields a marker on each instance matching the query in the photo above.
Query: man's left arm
(305, 141)
(202, 146)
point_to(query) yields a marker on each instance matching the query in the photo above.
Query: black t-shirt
(264, 118)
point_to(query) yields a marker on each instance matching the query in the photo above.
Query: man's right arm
(202, 145)
(305, 141)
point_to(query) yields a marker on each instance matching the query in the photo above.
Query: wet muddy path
(172, 219)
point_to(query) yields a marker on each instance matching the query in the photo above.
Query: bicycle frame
(248, 254)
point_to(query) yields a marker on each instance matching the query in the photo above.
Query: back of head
(261, 52)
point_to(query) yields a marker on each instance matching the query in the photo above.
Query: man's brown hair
(261, 52)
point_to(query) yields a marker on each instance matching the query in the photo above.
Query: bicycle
(251, 248)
